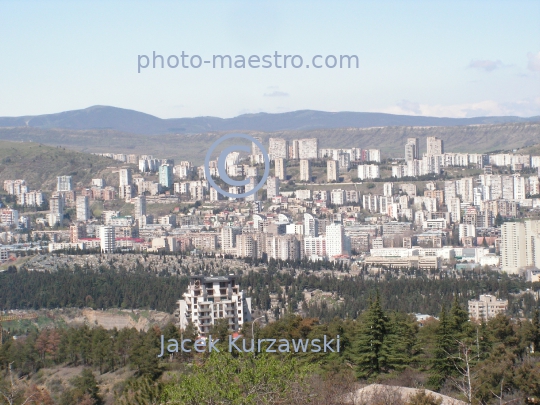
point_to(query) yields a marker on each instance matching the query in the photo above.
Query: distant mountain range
(119, 119)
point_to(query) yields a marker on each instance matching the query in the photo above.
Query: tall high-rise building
(311, 225)
(246, 246)
(166, 175)
(332, 170)
(278, 148)
(107, 239)
(520, 245)
(250, 186)
(388, 189)
(434, 146)
(211, 298)
(83, 212)
(56, 205)
(305, 170)
(228, 238)
(272, 187)
(294, 152)
(63, 183)
(412, 149)
(125, 178)
(344, 160)
(280, 165)
(140, 207)
(335, 240)
(255, 150)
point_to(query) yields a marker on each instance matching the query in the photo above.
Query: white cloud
(534, 62)
(487, 65)
(276, 94)
(410, 107)
(521, 108)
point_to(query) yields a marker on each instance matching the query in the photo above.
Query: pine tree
(400, 344)
(459, 320)
(371, 356)
(442, 365)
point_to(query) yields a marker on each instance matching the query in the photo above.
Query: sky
(439, 58)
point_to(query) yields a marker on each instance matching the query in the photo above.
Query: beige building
(305, 170)
(434, 146)
(487, 307)
(332, 170)
(280, 168)
(211, 298)
(520, 245)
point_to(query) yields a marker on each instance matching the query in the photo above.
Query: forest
(411, 291)
(488, 363)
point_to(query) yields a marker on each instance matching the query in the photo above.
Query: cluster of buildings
(25, 197)
(401, 225)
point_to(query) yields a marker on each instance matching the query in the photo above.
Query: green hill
(40, 164)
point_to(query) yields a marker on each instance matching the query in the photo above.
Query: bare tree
(462, 363)
(15, 389)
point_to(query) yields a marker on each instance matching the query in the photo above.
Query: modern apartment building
(166, 175)
(435, 146)
(279, 168)
(83, 212)
(486, 307)
(63, 183)
(520, 245)
(272, 187)
(107, 239)
(412, 149)
(279, 148)
(125, 178)
(368, 172)
(209, 299)
(335, 240)
(305, 170)
(332, 170)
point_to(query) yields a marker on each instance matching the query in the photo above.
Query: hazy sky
(441, 58)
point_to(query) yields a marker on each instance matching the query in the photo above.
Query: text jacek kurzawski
(242, 345)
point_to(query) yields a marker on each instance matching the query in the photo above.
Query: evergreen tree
(442, 365)
(459, 320)
(370, 353)
(400, 343)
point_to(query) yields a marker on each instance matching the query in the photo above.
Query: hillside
(120, 119)
(391, 140)
(40, 164)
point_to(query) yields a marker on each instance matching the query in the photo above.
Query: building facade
(209, 299)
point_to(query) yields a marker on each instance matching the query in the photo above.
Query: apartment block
(486, 307)
(332, 170)
(305, 170)
(209, 299)
(279, 168)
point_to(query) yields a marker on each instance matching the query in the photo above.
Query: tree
(371, 358)
(459, 319)
(442, 365)
(400, 344)
(241, 380)
(499, 220)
